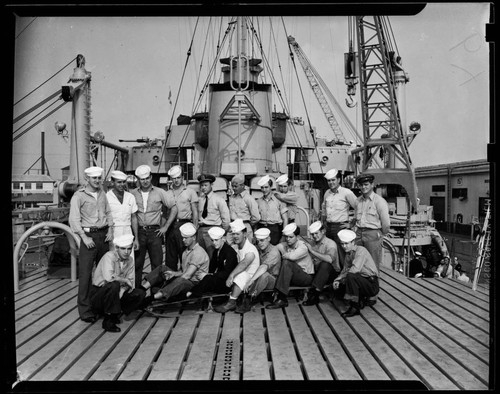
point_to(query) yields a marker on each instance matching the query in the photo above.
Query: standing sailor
(186, 200)
(287, 196)
(243, 206)
(90, 218)
(273, 213)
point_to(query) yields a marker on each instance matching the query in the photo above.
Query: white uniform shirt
(122, 213)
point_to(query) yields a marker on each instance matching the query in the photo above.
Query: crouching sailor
(113, 284)
(359, 274)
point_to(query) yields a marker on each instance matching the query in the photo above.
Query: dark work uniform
(222, 263)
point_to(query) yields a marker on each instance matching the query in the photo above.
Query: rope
(45, 81)
(28, 129)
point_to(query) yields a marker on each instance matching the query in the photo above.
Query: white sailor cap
(330, 174)
(346, 235)
(124, 240)
(187, 229)
(417, 253)
(118, 175)
(314, 227)
(289, 229)
(216, 232)
(142, 171)
(282, 180)
(93, 171)
(237, 226)
(262, 233)
(264, 181)
(175, 172)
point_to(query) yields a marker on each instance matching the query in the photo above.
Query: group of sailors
(241, 247)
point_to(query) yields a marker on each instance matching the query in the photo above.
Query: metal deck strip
(255, 360)
(227, 363)
(314, 362)
(286, 366)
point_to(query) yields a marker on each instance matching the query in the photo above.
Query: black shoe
(245, 306)
(312, 298)
(228, 306)
(90, 319)
(352, 311)
(109, 325)
(115, 318)
(279, 303)
(146, 301)
(370, 302)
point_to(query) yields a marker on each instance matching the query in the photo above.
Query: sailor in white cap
(324, 253)
(113, 284)
(359, 276)
(123, 208)
(337, 202)
(222, 262)
(416, 265)
(242, 205)
(286, 195)
(186, 200)
(249, 261)
(273, 213)
(297, 268)
(213, 211)
(193, 268)
(90, 218)
(265, 276)
(150, 222)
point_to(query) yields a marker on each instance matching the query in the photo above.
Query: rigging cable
(34, 19)
(18, 101)
(28, 129)
(36, 106)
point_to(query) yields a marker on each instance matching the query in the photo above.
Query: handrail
(307, 218)
(74, 243)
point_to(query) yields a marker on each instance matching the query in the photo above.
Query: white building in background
(458, 193)
(29, 190)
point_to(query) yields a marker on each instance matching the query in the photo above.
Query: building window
(438, 188)
(39, 185)
(461, 194)
(27, 185)
(16, 185)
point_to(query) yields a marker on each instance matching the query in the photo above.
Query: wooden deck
(433, 331)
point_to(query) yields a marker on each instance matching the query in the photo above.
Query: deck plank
(69, 354)
(423, 316)
(168, 365)
(286, 366)
(200, 359)
(465, 290)
(34, 287)
(227, 366)
(139, 365)
(83, 368)
(48, 293)
(338, 359)
(367, 366)
(442, 340)
(421, 365)
(444, 365)
(389, 360)
(313, 361)
(114, 363)
(255, 357)
(478, 328)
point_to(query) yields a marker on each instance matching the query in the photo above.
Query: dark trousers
(174, 246)
(169, 288)
(275, 229)
(331, 232)
(150, 243)
(291, 274)
(106, 299)
(372, 240)
(87, 258)
(324, 274)
(210, 284)
(358, 287)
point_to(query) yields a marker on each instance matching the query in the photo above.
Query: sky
(136, 62)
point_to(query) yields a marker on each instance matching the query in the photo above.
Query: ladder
(483, 250)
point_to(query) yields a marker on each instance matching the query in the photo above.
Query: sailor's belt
(153, 227)
(95, 229)
(369, 229)
(269, 224)
(336, 223)
(183, 220)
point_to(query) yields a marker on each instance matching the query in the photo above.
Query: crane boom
(317, 86)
